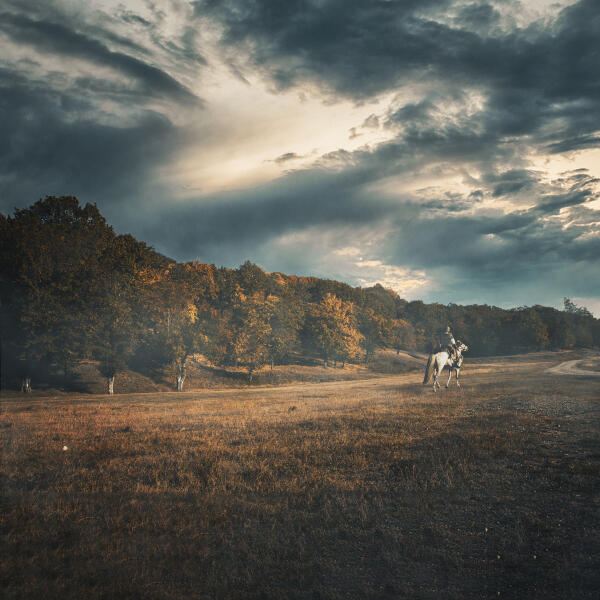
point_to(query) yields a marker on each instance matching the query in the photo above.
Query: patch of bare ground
(350, 489)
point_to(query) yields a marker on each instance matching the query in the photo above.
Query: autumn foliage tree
(64, 282)
(174, 312)
(116, 307)
(402, 335)
(285, 318)
(376, 332)
(49, 261)
(242, 336)
(332, 328)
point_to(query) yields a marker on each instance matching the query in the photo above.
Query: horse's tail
(428, 370)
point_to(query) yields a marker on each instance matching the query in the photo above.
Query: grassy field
(348, 489)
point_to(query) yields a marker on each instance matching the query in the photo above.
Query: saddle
(451, 350)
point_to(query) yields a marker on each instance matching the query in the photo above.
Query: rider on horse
(448, 343)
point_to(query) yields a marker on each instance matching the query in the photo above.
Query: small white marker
(65, 448)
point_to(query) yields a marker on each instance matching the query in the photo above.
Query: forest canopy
(72, 289)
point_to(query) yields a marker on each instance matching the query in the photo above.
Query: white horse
(439, 361)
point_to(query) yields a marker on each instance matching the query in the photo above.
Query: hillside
(72, 290)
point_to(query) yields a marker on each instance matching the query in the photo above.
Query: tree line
(72, 289)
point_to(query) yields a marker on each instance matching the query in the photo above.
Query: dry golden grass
(590, 364)
(356, 489)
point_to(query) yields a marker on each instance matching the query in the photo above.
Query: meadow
(363, 488)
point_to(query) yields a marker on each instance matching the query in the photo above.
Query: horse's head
(461, 347)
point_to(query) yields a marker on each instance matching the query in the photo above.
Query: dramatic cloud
(449, 149)
(60, 40)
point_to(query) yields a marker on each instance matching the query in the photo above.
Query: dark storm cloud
(92, 135)
(530, 97)
(525, 254)
(358, 48)
(531, 76)
(511, 182)
(504, 248)
(414, 114)
(130, 17)
(446, 205)
(570, 144)
(245, 219)
(49, 146)
(477, 15)
(58, 39)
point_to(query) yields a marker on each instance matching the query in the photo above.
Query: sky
(447, 149)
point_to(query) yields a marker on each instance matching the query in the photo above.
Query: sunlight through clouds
(449, 150)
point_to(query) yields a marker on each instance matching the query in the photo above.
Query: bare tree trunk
(110, 385)
(180, 378)
(181, 375)
(26, 385)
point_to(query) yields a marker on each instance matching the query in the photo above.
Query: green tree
(376, 332)
(572, 308)
(402, 335)
(285, 318)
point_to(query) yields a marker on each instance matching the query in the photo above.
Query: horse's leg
(457, 382)
(449, 377)
(435, 375)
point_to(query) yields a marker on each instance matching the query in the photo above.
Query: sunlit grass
(363, 490)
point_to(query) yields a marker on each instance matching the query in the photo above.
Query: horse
(439, 361)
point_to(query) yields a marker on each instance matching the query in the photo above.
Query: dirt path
(570, 368)
(351, 388)
(321, 388)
